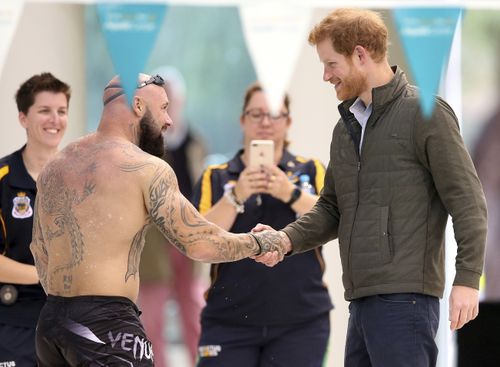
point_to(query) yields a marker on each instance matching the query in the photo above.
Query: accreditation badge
(22, 206)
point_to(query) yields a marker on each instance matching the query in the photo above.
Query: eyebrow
(47, 106)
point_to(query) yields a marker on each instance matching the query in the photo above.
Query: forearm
(223, 213)
(314, 228)
(14, 272)
(207, 242)
(188, 230)
(304, 203)
(215, 245)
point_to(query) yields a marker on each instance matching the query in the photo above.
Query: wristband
(230, 195)
(258, 243)
(296, 193)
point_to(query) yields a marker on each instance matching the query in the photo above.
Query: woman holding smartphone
(255, 315)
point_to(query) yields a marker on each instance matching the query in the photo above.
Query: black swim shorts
(91, 331)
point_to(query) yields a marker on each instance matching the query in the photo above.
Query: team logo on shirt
(8, 364)
(22, 206)
(209, 350)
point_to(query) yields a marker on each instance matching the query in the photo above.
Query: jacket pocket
(385, 240)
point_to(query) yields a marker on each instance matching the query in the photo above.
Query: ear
(22, 120)
(360, 54)
(138, 106)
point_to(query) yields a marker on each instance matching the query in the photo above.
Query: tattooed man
(95, 201)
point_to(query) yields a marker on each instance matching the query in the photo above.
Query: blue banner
(427, 35)
(130, 32)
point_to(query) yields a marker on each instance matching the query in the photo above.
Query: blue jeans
(392, 330)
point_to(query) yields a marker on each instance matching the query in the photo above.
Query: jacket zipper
(354, 218)
(356, 145)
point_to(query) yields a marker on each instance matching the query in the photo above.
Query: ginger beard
(351, 86)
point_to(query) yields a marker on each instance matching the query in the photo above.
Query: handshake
(274, 245)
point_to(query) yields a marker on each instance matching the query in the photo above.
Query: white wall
(50, 37)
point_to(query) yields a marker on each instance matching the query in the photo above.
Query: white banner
(275, 35)
(9, 16)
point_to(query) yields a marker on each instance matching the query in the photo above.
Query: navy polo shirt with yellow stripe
(17, 199)
(246, 292)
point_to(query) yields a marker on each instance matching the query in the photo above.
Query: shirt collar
(19, 176)
(359, 106)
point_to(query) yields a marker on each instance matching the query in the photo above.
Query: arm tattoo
(269, 241)
(184, 227)
(134, 254)
(158, 199)
(159, 195)
(181, 224)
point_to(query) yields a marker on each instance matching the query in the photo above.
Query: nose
(54, 116)
(168, 121)
(266, 119)
(326, 75)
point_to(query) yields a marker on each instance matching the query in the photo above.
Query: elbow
(201, 253)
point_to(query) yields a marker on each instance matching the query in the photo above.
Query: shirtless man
(95, 200)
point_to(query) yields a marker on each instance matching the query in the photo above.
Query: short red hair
(347, 28)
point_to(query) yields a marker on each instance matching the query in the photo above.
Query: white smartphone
(261, 153)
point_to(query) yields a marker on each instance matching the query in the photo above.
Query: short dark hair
(25, 95)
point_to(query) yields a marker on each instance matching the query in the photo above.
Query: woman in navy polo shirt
(42, 102)
(255, 315)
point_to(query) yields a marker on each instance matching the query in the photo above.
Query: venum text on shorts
(138, 346)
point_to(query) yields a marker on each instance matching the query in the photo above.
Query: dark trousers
(17, 346)
(293, 345)
(392, 330)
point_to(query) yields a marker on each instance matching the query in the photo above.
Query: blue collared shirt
(362, 114)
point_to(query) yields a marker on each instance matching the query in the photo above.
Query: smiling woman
(46, 120)
(42, 102)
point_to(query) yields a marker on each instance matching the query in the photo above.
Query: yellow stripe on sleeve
(3, 171)
(206, 192)
(206, 188)
(320, 175)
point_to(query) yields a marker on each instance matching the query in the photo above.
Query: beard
(352, 86)
(150, 139)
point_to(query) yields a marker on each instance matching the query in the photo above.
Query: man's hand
(464, 306)
(279, 239)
